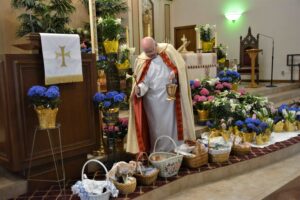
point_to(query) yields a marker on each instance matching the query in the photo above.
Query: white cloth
(62, 58)
(200, 65)
(278, 137)
(160, 112)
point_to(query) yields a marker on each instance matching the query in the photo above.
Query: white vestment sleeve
(143, 89)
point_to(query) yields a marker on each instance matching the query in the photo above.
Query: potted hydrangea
(230, 76)
(206, 35)
(111, 30)
(45, 102)
(109, 104)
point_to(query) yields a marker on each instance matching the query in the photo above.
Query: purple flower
(99, 97)
(52, 92)
(107, 104)
(239, 123)
(110, 95)
(118, 98)
(36, 91)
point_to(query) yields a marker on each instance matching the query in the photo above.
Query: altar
(200, 65)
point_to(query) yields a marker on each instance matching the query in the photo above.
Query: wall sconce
(233, 16)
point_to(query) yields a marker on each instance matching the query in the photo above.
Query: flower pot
(207, 47)
(278, 127)
(259, 139)
(289, 126)
(248, 137)
(111, 46)
(111, 116)
(235, 86)
(46, 117)
(202, 115)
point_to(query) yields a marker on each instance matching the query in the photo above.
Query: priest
(151, 114)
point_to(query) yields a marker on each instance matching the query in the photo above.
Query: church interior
(149, 99)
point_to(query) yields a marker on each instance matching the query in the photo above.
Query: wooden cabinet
(77, 115)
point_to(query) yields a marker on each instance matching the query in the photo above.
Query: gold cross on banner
(63, 54)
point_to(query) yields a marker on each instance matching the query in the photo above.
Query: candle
(216, 41)
(127, 36)
(198, 40)
(149, 34)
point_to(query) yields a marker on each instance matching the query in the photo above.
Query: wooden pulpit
(77, 115)
(253, 54)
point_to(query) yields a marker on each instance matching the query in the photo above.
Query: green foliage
(111, 28)
(110, 8)
(43, 16)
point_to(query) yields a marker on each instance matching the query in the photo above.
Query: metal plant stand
(60, 180)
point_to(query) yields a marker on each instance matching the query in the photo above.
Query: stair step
(284, 96)
(265, 91)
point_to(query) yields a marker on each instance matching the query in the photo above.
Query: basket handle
(97, 161)
(163, 136)
(138, 158)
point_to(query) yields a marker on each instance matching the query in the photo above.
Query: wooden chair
(248, 42)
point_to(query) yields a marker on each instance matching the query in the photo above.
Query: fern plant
(49, 16)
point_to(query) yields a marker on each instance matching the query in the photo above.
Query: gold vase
(248, 137)
(259, 139)
(207, 46)
(278, 127)
(123, 67)
(111, 116)
(289, 126)
(203, 115)
(235, 87)
(111, 46)
(46, 117)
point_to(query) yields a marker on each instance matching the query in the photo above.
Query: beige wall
(276, 18)
(9, 24)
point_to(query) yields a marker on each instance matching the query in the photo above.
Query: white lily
(100, 20)
(118, 21)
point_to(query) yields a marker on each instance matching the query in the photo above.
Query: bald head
(149, 47)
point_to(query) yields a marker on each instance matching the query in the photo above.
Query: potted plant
(109, 104)
(230, 76)
(123, 63)
(45, 102)
(111, 31)
(206, 35)
(202, 102)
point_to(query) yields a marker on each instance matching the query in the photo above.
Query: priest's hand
(172, 75)
(137, 90)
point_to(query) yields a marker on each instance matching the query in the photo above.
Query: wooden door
(190, 34)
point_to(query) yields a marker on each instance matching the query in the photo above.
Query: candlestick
(149, 32)
(127, 36)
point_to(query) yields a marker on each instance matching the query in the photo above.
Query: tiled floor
(54, 193)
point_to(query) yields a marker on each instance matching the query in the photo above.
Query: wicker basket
(105, 195)
(169, 166)
(219, 158)
(47, 117)
(240, 151)
(197, 161)
(126, 188)
(146, 179)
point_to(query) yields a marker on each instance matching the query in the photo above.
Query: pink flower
(242, 91)
(204, 92)
(197, 83)
(217, 91)
(210, 98)
(227, 85)
(194, 102)
(202, 99)
(198, 98)
(219, 86)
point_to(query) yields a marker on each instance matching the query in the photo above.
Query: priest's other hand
(172, 75)
(137, 90)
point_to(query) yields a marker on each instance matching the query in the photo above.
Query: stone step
(11, 186)
(265, 91)
(284, 96)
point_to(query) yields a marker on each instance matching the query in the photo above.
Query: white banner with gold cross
(62, 58)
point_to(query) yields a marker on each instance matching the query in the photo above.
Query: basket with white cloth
(167, 163)
(88, 189)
